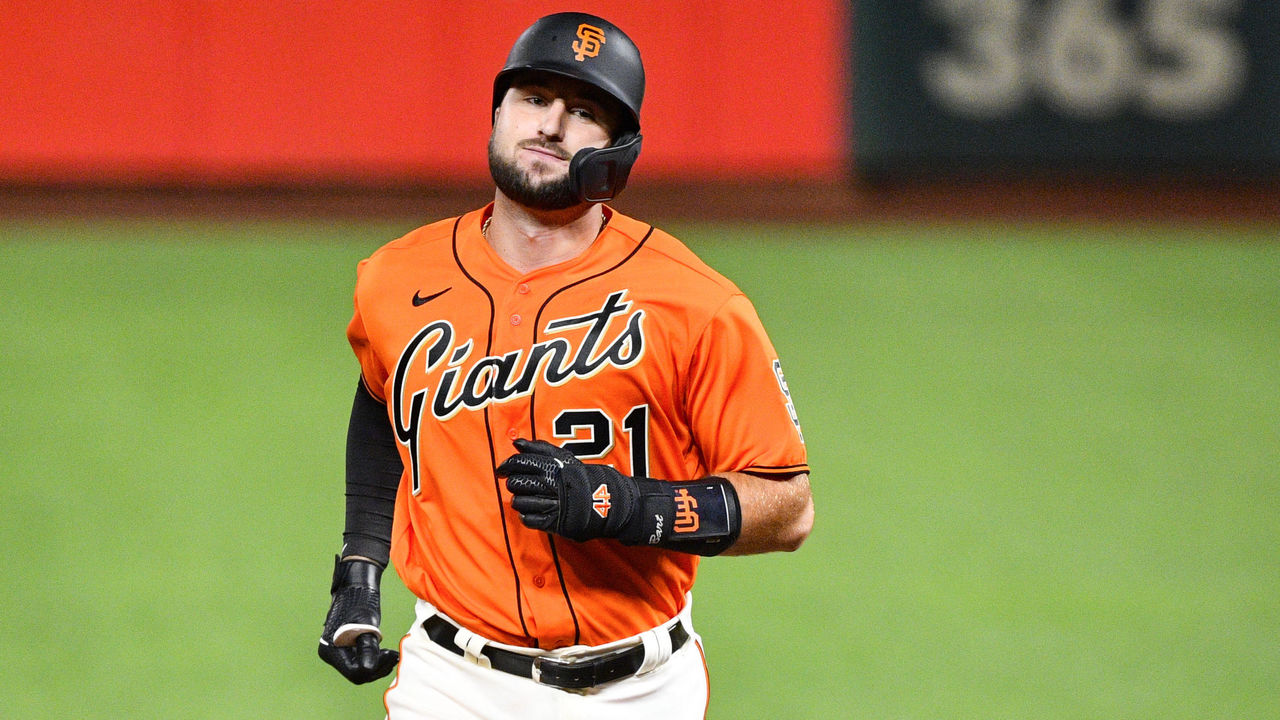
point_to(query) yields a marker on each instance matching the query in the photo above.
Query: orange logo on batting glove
(686, 512)
(600, 501)
(590, 38)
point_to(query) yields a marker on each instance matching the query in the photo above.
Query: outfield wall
(368, 107)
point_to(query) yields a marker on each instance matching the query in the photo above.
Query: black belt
(570, 675)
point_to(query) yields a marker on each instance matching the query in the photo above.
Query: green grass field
(1046, 466)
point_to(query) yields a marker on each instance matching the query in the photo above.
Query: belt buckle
(559, 673)
(572, 673)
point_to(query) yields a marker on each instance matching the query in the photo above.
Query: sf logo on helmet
(590, 38)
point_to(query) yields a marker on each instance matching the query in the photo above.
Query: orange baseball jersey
(634, 353)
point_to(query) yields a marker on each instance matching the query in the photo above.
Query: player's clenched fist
(554, 491)
(350, 638)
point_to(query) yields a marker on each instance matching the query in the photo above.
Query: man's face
(540, 123)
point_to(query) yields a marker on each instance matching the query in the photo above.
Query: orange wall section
(139, 91)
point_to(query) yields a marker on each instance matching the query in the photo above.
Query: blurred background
(1019, 257)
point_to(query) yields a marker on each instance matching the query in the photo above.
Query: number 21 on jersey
(592, 435)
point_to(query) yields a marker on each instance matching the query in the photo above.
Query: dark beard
(556, 194)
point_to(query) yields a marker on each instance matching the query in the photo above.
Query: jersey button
(513, 433)
(515, 319)
(539, 581)
(523, 288)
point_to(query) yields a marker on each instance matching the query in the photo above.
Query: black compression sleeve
(373, 474)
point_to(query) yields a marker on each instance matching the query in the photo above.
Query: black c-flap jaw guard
(599, 174)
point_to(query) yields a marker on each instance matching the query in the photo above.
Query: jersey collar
(477, 258)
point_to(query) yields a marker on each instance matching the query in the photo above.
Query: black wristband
(701, 517)
(373, 476)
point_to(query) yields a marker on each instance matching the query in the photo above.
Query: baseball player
(560, 410)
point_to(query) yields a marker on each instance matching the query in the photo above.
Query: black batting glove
(351, 635)
(554, 491)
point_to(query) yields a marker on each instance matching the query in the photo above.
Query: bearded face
(541, 122)
(539, 191)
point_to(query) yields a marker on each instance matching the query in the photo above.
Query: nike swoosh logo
(419, 301)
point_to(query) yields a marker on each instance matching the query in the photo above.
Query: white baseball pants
(432, 683)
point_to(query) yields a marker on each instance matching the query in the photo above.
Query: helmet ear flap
(599, 174)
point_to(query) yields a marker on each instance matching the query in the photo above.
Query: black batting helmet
(593, 50)
(583, 47)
